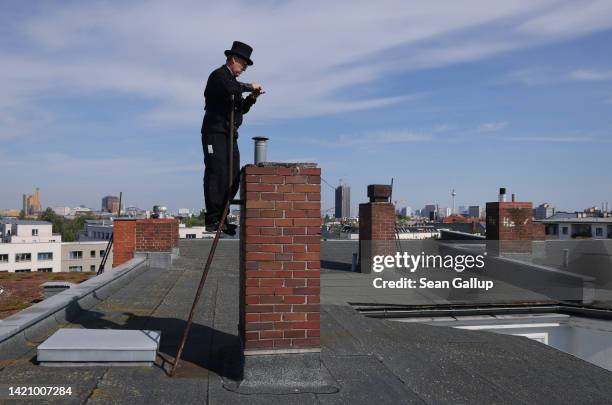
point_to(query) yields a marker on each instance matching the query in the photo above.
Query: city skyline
(99, 99)
(325, 210)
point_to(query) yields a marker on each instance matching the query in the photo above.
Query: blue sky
(99, 97)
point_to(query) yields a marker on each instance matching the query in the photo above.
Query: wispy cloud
(492, 126)
(441, 128)
(590, 75)
(373, 138)
(557, 139)
(569, 19)
(532, 76)
(538, 76)
(109, 167)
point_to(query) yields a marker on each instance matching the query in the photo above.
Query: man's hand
(257, 90)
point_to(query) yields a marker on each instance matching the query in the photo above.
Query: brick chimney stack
(376, 226)
(511, 223)
(280, 226)
(132, 235)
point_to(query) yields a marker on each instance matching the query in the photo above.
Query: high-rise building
(444, 212)
(430, 211)
(343, 201)
(406, 211)
(110, 203)
(31, 203)
(475, 211)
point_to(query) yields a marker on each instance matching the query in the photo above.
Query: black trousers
(215, 143)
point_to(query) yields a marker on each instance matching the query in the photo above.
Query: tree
(50, 216)
(73, 227)
(68, 228)
(193, 221)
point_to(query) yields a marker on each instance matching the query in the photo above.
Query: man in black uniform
(221, 85)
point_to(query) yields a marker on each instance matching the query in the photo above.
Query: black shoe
(212, 227)
(228, 229)
(231, 226)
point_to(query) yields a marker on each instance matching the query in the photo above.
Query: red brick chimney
(280, 225)
(376, 226)
(143, 235)
(511, 223)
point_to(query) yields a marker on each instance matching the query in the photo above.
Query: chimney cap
(502, 190)
(260, 138)
(379, 192)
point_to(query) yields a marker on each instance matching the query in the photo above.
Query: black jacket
(220, 86)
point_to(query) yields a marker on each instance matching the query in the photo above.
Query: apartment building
(84, 256)
(29, 246)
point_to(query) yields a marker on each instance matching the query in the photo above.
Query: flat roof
(372, 360)
(25, 222)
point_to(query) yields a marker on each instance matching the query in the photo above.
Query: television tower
(453, 194)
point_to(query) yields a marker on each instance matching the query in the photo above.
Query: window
(22, 271)
(598, 231)
(23, 257)
(45, 270)
(45, 256)
(190, 236)
(92, 267)
(564, 230)
(92, 253)
(76, 254)
(3, 258)
(581, 231)
(75, 269)
(101, 253)
(34, 232)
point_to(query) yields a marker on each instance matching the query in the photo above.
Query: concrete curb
(33, 324)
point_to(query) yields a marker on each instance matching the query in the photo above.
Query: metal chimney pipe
(513, 197)
(502, 194)
(261, 149)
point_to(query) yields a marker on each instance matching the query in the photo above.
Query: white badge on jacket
(210, 149)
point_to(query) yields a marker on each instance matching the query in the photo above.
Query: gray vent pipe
(261, 149)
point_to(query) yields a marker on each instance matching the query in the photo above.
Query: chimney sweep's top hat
(242, 50)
